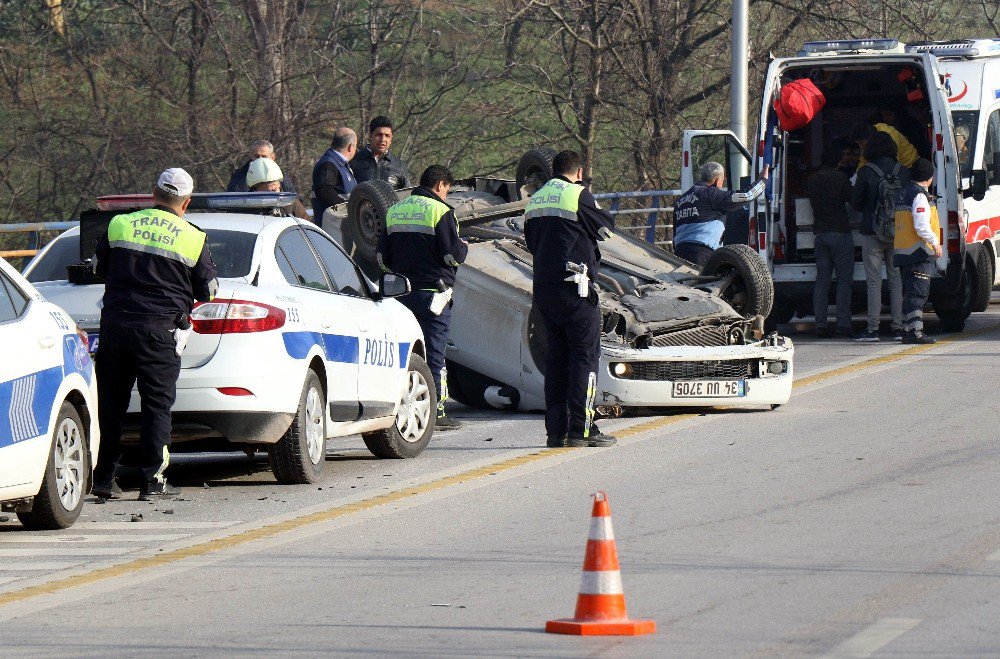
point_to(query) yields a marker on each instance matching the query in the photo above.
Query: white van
(933, 87)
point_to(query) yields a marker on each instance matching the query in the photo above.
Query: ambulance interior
(892, 93)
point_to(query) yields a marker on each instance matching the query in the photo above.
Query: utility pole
(738, 80)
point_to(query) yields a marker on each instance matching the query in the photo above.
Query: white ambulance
(930, 90)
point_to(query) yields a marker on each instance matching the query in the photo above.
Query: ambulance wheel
(751, 290)
(534, 169)
(415, 418)
(60, 500)
(366, 209)
(299, 456)
(952, 309)
(983, 279)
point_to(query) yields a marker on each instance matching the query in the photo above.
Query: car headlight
(777, 368)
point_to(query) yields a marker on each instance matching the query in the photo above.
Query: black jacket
(865, 192)
(366, 168)
(425, 258)
(829, 193)
(554, 241)
(149, 291)
(238, 181)
(332, 182)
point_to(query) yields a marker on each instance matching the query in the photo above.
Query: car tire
(469, 387)
(409, 435)
(751, 292)
(983, 280)
(366, 209)
(534, 168)
(67, 473)
(952, 309)
(299, 456)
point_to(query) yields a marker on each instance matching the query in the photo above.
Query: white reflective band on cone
(600, 529)
(602, 583)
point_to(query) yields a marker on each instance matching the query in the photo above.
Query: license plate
(711, 389)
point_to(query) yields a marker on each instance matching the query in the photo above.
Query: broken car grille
(731, 369)
(707, 335)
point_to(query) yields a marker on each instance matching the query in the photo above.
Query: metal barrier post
(651, 228)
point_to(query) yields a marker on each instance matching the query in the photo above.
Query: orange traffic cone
(600, 606)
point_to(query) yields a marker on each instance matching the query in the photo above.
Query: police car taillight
(235, 317)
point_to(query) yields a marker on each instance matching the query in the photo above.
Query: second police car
(297, 347)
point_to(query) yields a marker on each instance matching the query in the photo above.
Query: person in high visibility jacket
(421, 241)
(916, 244)
(155, 264)
(562, 227)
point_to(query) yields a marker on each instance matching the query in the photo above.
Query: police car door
(721, 146)
(30, 375)
(327, 324)
(380, 359)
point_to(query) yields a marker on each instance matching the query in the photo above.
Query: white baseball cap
(175, 181)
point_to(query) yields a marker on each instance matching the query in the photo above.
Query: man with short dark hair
(332, 177)
(154, 264)
(562, 225)
(700, 213)
(829, 192)
(259, 149)
(421, 242)
(916, 245)
(375, 162)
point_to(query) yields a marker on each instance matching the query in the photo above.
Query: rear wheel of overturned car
(983, 279)
(60, 499)
(410, 434)
(299, 456)
(750, 290)
(366, 209)
(534, 169)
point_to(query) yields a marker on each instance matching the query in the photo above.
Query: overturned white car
(672, 336)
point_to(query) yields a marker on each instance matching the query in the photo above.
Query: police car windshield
(232, 252)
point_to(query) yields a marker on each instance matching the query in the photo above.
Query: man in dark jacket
(332, 177)
(154, 264)
(880, 151)
(700, 213)
(562, 226)
(259, 149)
(421, 242)
(375, 162)
(829, 194)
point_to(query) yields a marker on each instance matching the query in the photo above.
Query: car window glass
(63, 253)
(345, 275)
(8, 309)
(232, 251)
(991, 153)
(304, 269)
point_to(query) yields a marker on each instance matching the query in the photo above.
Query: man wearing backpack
(876, 192)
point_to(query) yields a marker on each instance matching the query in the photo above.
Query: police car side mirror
(979, 184)
(392, 285)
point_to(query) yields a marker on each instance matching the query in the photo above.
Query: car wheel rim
(369, 221)
(69, 463)
(414, 409)
(315, 441)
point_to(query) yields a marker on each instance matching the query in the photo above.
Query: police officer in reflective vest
(916, 243)
(562, 227)
(421, 242)
(154, 264)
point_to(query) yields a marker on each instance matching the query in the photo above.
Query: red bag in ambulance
(797, 104)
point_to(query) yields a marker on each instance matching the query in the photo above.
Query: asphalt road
(859, 520)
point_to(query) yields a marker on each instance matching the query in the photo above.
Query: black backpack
(886, 199)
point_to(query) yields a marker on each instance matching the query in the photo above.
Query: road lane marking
(35, 566)
(875, 637)
(76, 538)
(280, 528)
(4, 580)
(39, 552)
(154, 526)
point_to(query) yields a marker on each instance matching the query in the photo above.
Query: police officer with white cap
(154, 264)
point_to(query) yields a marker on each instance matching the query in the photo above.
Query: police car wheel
(299, 456)
(415, 418)
(60, 499)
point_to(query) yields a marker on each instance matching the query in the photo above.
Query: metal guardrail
(647, 230)
(35, 240)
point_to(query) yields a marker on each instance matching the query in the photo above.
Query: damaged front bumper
(758, 373)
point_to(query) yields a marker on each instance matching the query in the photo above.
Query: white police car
(48, 408)
(297, 347)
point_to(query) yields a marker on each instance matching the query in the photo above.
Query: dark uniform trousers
(573, 330)
(435, 329)
(916, 289)
(694, 252)
(126, 356)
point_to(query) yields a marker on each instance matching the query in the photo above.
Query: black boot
(595, 438)
(158, 489)
(556, 441)
(107, 490)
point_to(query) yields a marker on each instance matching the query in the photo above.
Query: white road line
(82, 538)
(995, 556)
(157, 526)
(41, 566)
(73, 552)
(4, 580)
(875, 637)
